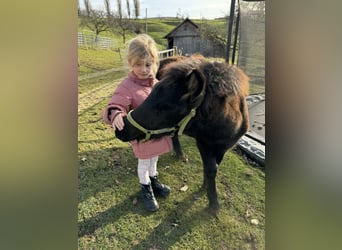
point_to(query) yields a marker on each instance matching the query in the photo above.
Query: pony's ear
(195, 82)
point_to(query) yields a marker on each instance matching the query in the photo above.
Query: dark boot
(148, 198)
(159, 188)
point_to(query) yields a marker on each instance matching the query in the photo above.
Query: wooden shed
(186, 37)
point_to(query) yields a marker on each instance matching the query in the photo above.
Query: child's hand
(118, 122)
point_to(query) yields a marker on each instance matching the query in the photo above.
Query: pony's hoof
(183, 158)
(214, 211)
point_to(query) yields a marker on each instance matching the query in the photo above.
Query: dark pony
(210, 97)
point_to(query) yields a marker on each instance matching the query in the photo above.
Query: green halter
(180, 126)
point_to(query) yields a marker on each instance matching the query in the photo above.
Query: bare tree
(87, 6)
(107, 7)
(95, 20)
(128, 9)
(136, 9)
(119, 5)
(137, 26)
(123, 22)
(110, 15)
(78, 8)
(118, 22)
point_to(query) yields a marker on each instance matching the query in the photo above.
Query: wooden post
(146, 20)
(237, 24)
(230, 28)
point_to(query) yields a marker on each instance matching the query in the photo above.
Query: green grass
(256, 88)
(158, 28)
(108, 185)
(96, 82)
(93, 60)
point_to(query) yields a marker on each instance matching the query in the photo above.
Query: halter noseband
(180, 125)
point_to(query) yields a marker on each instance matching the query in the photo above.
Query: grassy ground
(93, 60)
(110, 214)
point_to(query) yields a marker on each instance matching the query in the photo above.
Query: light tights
(147, 168)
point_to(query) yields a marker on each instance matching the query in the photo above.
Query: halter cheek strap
(180, 125)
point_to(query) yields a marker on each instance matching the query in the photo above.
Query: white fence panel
(167, 53)
(87, 39)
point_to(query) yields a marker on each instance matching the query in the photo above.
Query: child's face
(142, 68)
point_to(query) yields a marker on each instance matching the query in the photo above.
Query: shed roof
(186, 20)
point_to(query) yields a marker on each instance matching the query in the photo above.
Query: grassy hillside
(158, 28)
(92, 60)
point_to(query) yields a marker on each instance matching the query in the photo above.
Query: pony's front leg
(209, 178)
(178, 149)
(210, 171)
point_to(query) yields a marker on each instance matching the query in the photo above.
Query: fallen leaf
(255, 222)
(248, 172)
(184, 188)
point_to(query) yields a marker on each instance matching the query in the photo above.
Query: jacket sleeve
(120, 102)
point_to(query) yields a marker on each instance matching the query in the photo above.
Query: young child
(131, 92)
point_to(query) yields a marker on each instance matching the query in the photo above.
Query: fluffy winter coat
(130, 93)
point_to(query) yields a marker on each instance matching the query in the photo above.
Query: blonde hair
(143, 46)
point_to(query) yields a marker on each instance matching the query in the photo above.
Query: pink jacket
(130, 93)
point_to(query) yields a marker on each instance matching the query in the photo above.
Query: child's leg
(158, 188)
(143, 171)
(153, 166)
(148, 198)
